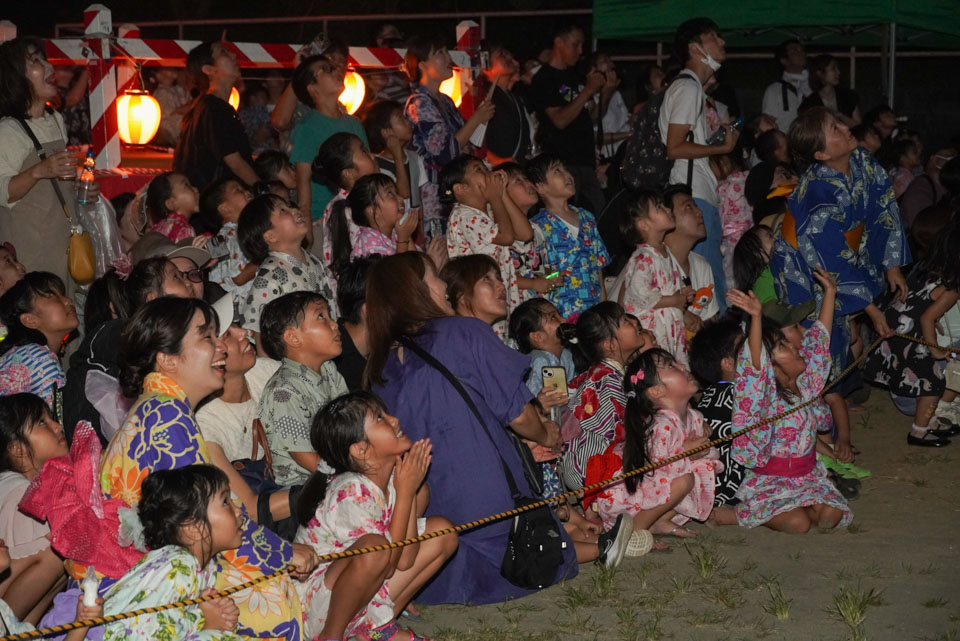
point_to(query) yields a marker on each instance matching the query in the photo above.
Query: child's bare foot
(722, 515)
(678, 531)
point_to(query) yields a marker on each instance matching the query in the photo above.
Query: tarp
(760, 23)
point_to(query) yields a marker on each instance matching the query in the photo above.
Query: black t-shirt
(209, 133)
(351, 362)
(575, 145)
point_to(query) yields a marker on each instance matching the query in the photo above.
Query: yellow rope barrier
(59, 629)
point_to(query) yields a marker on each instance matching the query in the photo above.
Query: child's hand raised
(437, 250)
(219, 614)
(408, 227)
(825, 278)
(412, 467)
(496, 186)
(747, 302)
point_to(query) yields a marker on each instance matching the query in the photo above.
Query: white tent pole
(892, 63)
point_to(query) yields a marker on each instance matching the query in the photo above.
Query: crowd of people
(329, 332)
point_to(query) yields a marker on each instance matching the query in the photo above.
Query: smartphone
(555, 378)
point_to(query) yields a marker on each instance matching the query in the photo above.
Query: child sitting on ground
(271, 234)
(297, 329)
(485, 221)
(171, 201)
(568, 238)
(659, 423)
(376, 496)
(227, 197)
(187, 519)
(713, 360)
(370, 220)
(606, 339)
(10, 624)
(911, 369)
(784, 488)
(388, 133)
(651, 286)
(535, 326)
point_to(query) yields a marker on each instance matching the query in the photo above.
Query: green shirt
(309, 134)
(763, 286)
(290, 399)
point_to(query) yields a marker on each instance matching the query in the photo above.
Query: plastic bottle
(90, 586)
(86, 179)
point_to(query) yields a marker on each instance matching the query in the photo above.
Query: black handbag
(535, 545)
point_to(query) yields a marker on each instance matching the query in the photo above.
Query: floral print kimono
(163, 576)
(782, 469)
(848, 225)
(647, 277)
(736, 217)
(665, 438)
(175, 227)
(435, 121)
(352, 507)
(161, 433)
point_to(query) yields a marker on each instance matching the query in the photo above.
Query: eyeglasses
(324, 67)
(194, 275)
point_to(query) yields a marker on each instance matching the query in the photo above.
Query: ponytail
(339, 230)
(595, 326)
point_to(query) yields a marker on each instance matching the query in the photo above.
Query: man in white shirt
(683, 129)
(694, 268)
(782, 98)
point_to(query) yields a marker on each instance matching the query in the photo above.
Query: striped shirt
(31, 368)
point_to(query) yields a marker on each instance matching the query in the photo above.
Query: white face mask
(708, 60)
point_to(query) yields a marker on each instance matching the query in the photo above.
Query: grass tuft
(779, 605)
(705, 561)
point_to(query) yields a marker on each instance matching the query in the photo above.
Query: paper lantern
(138, 117)
(234, 98)
(354, 90)
(453, 87)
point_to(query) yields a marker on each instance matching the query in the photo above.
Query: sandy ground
(895, 573)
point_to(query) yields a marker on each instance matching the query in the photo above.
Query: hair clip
(637, 377)
(448, 192)
(631, 394)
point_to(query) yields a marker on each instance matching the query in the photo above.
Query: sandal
(388, 632)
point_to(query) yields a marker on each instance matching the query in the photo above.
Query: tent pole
(892, 63)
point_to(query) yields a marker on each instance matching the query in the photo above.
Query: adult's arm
(282, 116)
(79, 89)
(529, 426)
(240, 168)
(678, 147)
(562, 116)
(237, 485)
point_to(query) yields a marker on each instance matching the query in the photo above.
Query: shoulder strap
(43, 156)
(784, 88)
(428, 358)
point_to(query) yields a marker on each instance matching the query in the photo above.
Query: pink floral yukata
(471, 231)
(648, 276)
(175, 227)
(352, 507)
(736, 217)
(782, 472)
(665, 438)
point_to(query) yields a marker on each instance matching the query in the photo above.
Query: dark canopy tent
(763, 23)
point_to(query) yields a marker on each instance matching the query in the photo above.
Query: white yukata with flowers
(352, 507)
(162, 576)
(471, 231)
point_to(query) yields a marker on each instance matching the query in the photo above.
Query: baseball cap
(225, 310)
(156, 244)
(786, 315)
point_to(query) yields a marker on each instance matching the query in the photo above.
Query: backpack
(645, 161)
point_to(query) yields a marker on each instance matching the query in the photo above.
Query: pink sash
(789, 466)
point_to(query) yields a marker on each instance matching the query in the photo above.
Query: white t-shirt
(773, 98)
(15, 146)
(701, 279)
(615, 120)
(683, 104)
(22, 534)
(230, 425)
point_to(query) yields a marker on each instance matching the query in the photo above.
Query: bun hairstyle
(159, 326)
(419, 49)
(638, 415)
(171, 499)
(595, 326)
(338, 425)
(21, 299)
(333, 158)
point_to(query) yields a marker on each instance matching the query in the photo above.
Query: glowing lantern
(453, 87)
(138, 117)
(234, 98)
(353, 92)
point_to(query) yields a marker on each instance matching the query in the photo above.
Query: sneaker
(613, 542)
(641, 542)
(849, 488)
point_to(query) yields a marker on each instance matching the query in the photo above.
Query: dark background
(928, 93)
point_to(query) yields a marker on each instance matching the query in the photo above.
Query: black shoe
(849, 488)
(613, 542)
(946, 432)
(930, 438)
